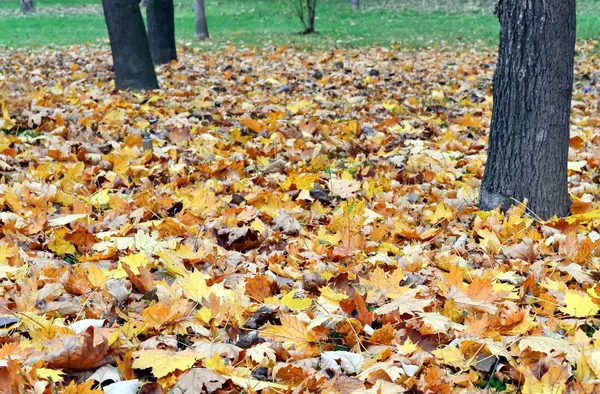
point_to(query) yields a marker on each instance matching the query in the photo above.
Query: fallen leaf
(164, 362)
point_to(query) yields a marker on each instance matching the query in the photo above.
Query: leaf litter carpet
(304, 222)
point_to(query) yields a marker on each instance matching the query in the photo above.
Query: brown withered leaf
(260, 287)
(79, 352)
(356, 308)
(82, 238)
(239, 238)
(144, 282)
(200, 380)
(77, 282)
(179, 135)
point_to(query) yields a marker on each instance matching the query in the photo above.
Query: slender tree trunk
(201, 25)
(356, 5)
(529, 137)
(27, 6)
(129, 44)
(160, 17)
(311, 10)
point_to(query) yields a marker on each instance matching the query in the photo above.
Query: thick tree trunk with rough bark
(201, 25)
(356, 5)
(529, 136)
(27, 6)
(132, 61)
(160, 17)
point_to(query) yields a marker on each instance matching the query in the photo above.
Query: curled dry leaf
(85, 351)
(287, 224)
(200, 380)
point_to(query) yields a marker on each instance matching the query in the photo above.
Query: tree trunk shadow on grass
(307, 31)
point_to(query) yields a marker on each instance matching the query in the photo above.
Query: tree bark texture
(132, 61)
(533, 83)
(27, 6)
(201, 25)
(311, 9)
(160, 17)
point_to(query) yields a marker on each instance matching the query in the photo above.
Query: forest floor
(413, 23)
(305, 221)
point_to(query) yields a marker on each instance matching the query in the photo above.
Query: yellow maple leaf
(134, 261)
(301, 106)
(100, 198)
(553, 382)
(450, 355)
(96, 275)
(441, 213)
(194, 286)
(300, 181)
(50, 374)
(291, 331)
(579, 304)
(60, 245)
(324, 236)
(204, 314)
(583, 218)
(295, 303)
(331, 294)
(258, 225)
(407, 348)
(217, 364)
(174, 267)
(164, 362)
(84, 388)
(382, 285)
(489, 241)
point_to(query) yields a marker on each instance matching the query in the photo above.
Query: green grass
(256, 22)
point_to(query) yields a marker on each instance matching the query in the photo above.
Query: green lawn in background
(256, 22)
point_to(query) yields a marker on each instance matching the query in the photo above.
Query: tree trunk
(311, 10)
(529, 136)
(161, 30)
(129, 44)
(201, 25)
(27, 6)
(356, 5)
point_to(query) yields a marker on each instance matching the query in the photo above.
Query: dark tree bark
(27, 6)
(129, 44)
(355, 5)
(160, 17)
(306, 11)
(201, 25)
(311, 9)
(529, 136)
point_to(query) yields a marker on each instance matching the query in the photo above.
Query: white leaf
(106, 373)
(438, 323)
(287, 224)
(124, 387)
(344, 188)
(80, 326)
(348, 362)
(388, 367)
(576, 272)
(260, 352)
(547, 344)
(199, 380)
(62, 220)
(406, 303)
